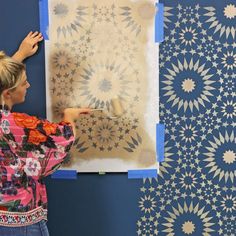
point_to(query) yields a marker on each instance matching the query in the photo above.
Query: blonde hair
(10, 73)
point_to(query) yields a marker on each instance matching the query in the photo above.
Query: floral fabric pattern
(30, 149)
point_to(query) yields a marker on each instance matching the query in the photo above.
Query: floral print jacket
(30, 149)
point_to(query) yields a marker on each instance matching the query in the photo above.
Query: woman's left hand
(28, 46)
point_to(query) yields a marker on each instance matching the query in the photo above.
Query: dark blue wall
(195, 191)
(92, 205)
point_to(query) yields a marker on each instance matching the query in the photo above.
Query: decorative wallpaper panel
(195, 191)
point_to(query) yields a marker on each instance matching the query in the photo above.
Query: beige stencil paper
(99, 51)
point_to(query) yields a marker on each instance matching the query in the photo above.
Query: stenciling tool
(117, 109)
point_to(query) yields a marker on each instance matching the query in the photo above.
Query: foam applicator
(117, 107)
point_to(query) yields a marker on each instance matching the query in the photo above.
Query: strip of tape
(141, 174)
(101, 173)
(43, 18)
(159, 23)
(64, 174)
(160, 142)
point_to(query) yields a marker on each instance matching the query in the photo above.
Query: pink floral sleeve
(40, 144)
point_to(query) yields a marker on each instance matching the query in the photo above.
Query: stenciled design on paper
(98, 54)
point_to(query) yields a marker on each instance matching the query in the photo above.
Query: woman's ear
(6, 94)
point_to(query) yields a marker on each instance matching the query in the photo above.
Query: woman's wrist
(19, 56)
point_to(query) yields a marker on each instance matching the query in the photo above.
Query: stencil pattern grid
(97, 53)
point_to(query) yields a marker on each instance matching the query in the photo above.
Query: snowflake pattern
(69, 19)
(132, 17)
(221, 20)
(97, 84)
(106, 134)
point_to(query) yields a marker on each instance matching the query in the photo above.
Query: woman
(30, 148)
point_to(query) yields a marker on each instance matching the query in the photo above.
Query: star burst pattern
(188, 84)
(214, 18)
(222, 164)
(105, 134)
(187, 218)
(103, 82)
(68, 19)
(135, 16)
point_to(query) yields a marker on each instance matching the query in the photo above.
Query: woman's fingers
(34, 38)
(29, 34)
(34, 34)
(35, 48)
(37, 37)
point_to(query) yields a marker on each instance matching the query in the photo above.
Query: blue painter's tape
(43, 18)
(160, 142)
(140, 174)
(159, 23)
(64, 174)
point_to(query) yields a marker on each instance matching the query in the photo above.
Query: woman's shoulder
(24, 120)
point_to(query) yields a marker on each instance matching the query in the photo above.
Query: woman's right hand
(74, 113)
(71, 114)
